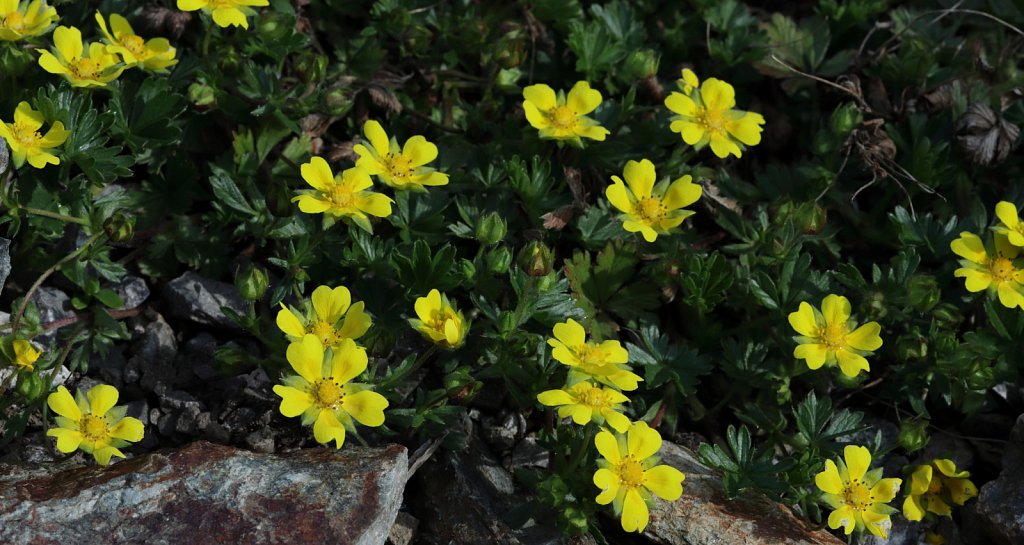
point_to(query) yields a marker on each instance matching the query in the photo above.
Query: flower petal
(858, 460)
(571, 333)
(851, 364)
(327, 429)
(665, 481)
(554, 398)
(682, 192)
(128, 429)
(104, 454)
(616, 420)
(426, 306)
(102, 398)
(67, 440)
(969, 247)
(885, 490)
(331, 304)
(63, 404)
(293, 401)
(804, 320)
(640, 177)
(289, 323)
(582, 99)
(306, 357)
(642, 441)
(419, 151)
(681, 104)
(377, 137)
(317, 174)
(829, 480)
(843, 517)
(609, 485)
(835, 309)
(814, 354)
(618, 196)
(865, 337)
(366, 407)
(608, 447)
(542, 96)
(1007, 213)
(635, 515)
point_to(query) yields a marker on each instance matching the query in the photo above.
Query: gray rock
(5, 157)
(1000, 507)
(229, 495)
(261, 440)
(54, 306)
(704, 516)
(196, 360)
(503, 433)
(527, 453)
(903, 532)
(132, 290)
(404, 529)
(109, 366)
(139, 409)
(200, 300)
(153, 355)
(5, 245)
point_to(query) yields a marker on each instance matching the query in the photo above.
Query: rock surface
(704, 516)
(5, 253)
(200, 300)
(224, 494)
(1000, 506)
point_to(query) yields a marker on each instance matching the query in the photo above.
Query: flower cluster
(598, 374)
(934, 487)
(830, 336)
(996, 267)
(859, 497)
(349, 197)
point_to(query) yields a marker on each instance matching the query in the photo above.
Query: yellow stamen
(595, 398)
(327, 394)
(650, 209)
(26, 136)
(398, 165)
(326, 332)
(630, 472)
(857, 495)
(563, 118)
(1002, 269)
(94, 428)
(833, 336)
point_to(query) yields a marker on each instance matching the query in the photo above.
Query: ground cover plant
(775, 230)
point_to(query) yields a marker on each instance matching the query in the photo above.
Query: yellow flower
(830, 336)
(25, 355)
(322, 393)
(96, 69)
(439, 322)
(585, 402)
(25, 140)
(25, 19)
(154, 55)
(343, 196)
(706, 116)
(399, 167)
(857, 496)
(331, 319)
(92, 423)
(628, 474)
(936, 485)
(647, 208)
(225, 12)
(604, 362)
(559, 118)
(1010, 225)
(994, 271)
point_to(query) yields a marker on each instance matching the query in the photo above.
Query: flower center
(935, 486)
(630, 472)
(341, 196)
(1002, 269)
(712, 121)
(833, 336)
(595, 398)
(562, 117)
(25, 135)
(94, 428)
(325, 331)
(651, 209)
(398, 165)
(84, 68)
(857, 495)
(135, 44)
(327, 394)
(13, 21)
(440, 317)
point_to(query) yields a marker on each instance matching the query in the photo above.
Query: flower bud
(948, 315)
(252, 281)
(337, 101)
(510, 49)
(642, 64)
(536, 259)
(468, 270)
(230, 62)
(912, 347)
(310, 67)
(507, 78)
(982, 376)
(202, 95)
(923, 292)
(120, 226)
(876, 304)
(499, 260)
(845, 118)
(31, 386)
(275, 25)
(913, 435)
(491, 229)
(507, 323)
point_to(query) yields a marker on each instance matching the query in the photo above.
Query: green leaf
(227, 192)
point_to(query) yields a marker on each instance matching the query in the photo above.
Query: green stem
(397, 378)
(55, 215)
(46, 274)
(582, 447)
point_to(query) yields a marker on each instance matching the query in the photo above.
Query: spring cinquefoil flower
(25, 140)
(564, 118)
(225, 12)
(1010, 225)
(830, 336)
(25, 19)
(629, 473)
(585, 401)
(439, 321)
(330, 315)
(92, 423)
(707, 115)
(346, 196)
(402, 168)
(155, 55)
(993, 269)
(96, 69)
(25, 355)
(857, 496)
(322, 392)
(934, 487)
(604, 362)
(647, 208)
